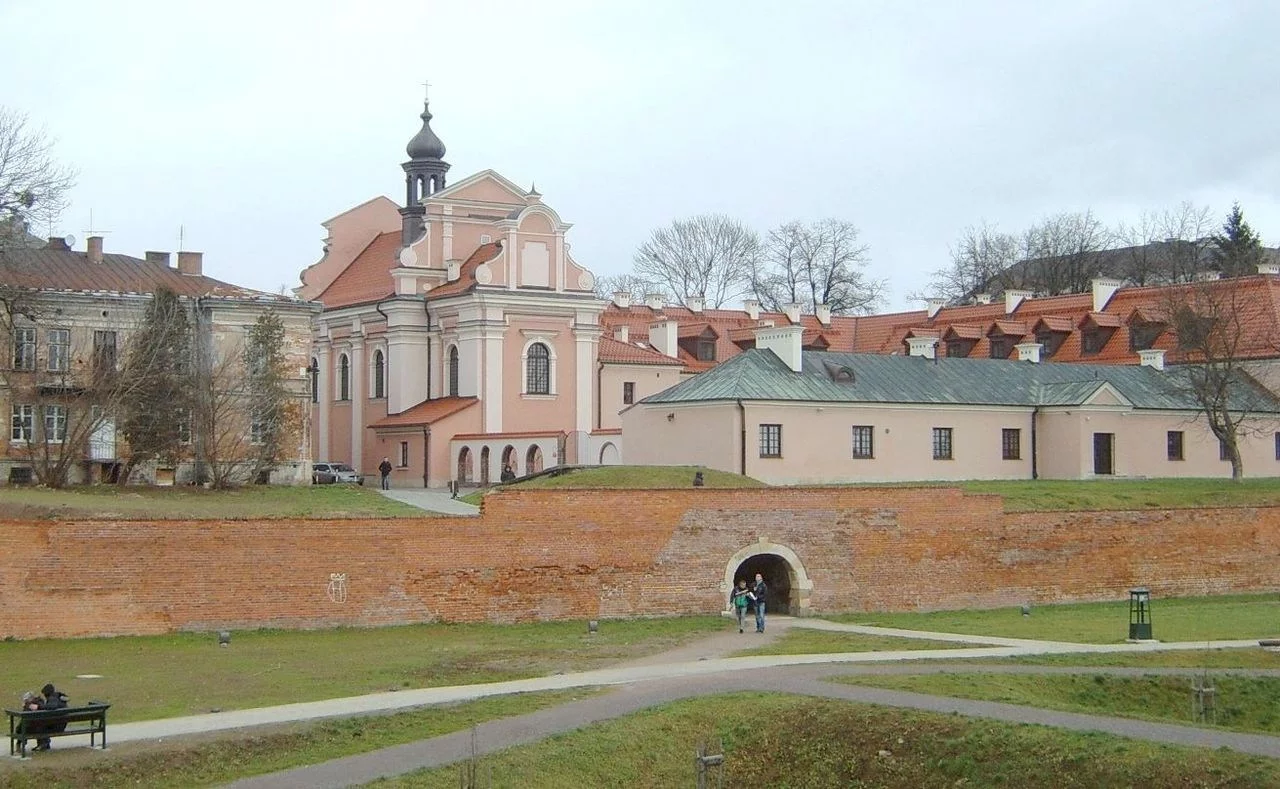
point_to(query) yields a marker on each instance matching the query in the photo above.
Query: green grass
(186, 673)
(785, 741)
(228, 757)
(804, 641)
(1243, 703)
(634, 477)
(1178, 658)
(1227, 617)
(255, 501)
(1125, 494)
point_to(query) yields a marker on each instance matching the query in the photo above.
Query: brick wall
(578, 554)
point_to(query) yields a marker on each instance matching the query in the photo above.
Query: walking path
(699, 669)
(431, 500)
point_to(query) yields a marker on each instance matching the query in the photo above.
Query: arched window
(453, 371)
(538, 370)
(379, 374)
(314, 371)
(344, 377)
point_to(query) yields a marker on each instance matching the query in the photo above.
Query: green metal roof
(832, 377)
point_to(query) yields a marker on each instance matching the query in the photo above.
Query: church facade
(458, 336)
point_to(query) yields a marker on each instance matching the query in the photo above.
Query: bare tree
(1062, 254)
(818, 263)
(33, 186)
(709, 256)
(1206, 320)
(636, 287)
(1185, 230)
(980, 262)
(156, 420)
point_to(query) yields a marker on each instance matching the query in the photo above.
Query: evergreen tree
(1237, 250)
(267, 389)
(156, 417)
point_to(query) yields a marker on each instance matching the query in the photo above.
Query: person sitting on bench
(54, 699)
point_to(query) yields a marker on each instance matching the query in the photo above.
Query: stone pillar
(324, 396)
(358, 395)
(436, 365)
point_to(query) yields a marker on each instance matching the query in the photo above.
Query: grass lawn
(254, 501)
(787, 741)
(639, 477)
(227, 757)
(803, 641)
(187, 673)
(1178, 658)
(1226, 617)
(1244, 703)
(1128, 494)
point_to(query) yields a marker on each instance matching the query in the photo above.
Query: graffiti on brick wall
(337, 589)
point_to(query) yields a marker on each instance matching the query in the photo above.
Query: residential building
(70, 316)
(786, 415)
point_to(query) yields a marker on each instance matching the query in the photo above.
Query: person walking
(760, 592)
(741, 595)
(384, 468)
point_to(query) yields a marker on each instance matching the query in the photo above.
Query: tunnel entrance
(780, 577)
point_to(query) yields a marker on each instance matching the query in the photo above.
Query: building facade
(69, 318)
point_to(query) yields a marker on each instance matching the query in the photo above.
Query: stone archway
(609, 454)
(788, 581)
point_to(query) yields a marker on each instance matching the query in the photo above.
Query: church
(458, 337)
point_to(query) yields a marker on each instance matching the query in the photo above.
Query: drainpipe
(1035, 412)
(426, 456)
(599, 395)
(742, 439)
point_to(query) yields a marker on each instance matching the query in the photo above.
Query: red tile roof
(1010, 328)
(619, 352)
(427, 412)
(966, 332)
(467, 271)
(368, 277)
(66, 270)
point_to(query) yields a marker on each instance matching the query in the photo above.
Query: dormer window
(1143, 336)
(1096, 329)
(1001, 345)
(706, 350)
(959, 348)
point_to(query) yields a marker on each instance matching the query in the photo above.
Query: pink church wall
(538, 412)
(349, 234)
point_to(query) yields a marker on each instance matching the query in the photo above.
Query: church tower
(424, 176)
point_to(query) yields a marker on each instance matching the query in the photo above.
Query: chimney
(792, 311)
(784, 341)
(622, 333)
(95, 249)
(1269, 268)
(1152, 357)
(922, 346)
(454, 271)
(694, 303)
(58, 244)
(1029, 352)
(934, 306)
(662, 335)
(982, 298)
(752, 308)
(823, 311)
(621, 299)
(158, 257)
(1012, 298)
(653, 301)
(1103, 290)
(190, 263)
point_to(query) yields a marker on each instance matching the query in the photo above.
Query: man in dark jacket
(54, 699)
(384, 468)
(761, 592)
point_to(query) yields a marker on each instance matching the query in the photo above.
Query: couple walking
(755, 596)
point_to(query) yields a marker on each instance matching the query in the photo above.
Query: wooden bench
(37, 724)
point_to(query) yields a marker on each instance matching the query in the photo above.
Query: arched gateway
(788, 581)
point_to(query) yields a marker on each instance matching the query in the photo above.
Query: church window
(344, 377)
(453, 371)
(379, 374)
(538, 369)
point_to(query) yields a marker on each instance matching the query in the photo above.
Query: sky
(244, 125)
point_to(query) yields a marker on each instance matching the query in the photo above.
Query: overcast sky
(250, 123)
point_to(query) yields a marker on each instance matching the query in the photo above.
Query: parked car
(326, 472)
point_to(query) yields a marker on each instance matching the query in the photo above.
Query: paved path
(432, 500)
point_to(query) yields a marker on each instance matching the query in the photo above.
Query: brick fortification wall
(577, 554)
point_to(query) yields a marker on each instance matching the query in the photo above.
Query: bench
(36, 724)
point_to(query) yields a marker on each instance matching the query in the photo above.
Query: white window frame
(24, 337)
(63, 357)
(373, 374)
(547, 341)
(339, 385)
(22, 424)
(58, 415)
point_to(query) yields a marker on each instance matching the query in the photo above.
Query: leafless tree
(1062, 253)
(1208, 320)
(980, 262)
(818, 263)
(709, 256)
(1186, 231)
(636, 287)
(33, 186)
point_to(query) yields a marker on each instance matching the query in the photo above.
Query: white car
(325, 471)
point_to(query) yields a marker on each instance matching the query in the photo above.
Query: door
(1104, 453)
